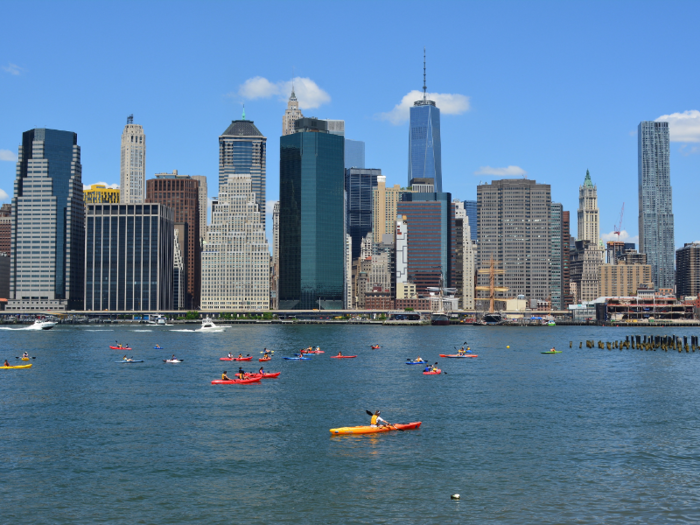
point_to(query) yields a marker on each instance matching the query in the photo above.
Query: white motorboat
(209, 326)
(42, 324)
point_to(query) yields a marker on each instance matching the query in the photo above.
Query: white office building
(132, 176)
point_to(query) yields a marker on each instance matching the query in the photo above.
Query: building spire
(243, 111)
(424, 83)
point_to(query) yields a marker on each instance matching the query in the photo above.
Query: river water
(586, 436)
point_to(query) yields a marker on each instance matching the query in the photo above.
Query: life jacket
(373, 421)
(223, 377)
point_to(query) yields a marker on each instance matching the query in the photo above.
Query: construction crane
(617, 230)
(492, 270)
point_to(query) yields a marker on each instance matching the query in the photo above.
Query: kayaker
(157, 346)
(224, 377)
(261, 371)
(435, 368)
(173, 358)
(241, 373)
(125, 358)
(428, 369)
(25, 354)
(318, 348)
(552, 349)
(460, 351)
(240, 356)
(377, 421)
(419, 359)
(230, 355)
(340, 354)
(266, 352)
(6, 363)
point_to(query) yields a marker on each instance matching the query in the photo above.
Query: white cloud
(683, 127)
(510, 171)
(269, 207)
(624, 237)
(13, 69)
(309, 94)
(110, 186)
(6, 154)
(3, 195)
(448, 103)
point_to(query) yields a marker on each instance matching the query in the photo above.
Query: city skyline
(482, 135)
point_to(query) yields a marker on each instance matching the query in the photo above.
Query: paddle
(387, 423)
(16, 357)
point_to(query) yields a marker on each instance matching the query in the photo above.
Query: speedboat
(209, 326)
(42, 324)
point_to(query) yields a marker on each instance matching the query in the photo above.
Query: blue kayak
(416, 362)
(297, 358)
(158, 348)
(129, 362)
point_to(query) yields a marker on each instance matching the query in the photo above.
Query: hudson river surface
(585, 436)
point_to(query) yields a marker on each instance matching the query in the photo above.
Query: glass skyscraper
(48, 224)
(359, 186)
(656, 232)
(242, 150)
(470, 210)
(312, 226)
(424, 151)
(354, 154)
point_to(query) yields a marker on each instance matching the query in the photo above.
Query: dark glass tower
(359, 186)
(311, 218)
(48, 224)
(424, 150)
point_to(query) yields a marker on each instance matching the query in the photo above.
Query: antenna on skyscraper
(424, 83)
(243, 111)
(130, 119)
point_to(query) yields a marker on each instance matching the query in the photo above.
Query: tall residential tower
(588, 223)
(133, 164)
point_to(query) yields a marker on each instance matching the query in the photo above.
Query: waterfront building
(101, 194)
(556, 284)
(470, 210)
(688, 270)
(656, 230)
(132, 175)
(181, 193)
(464, 258)
(236, 257)
(203, 195)
(47, 243)
(354, 154)
(275, 270)
(584, 268)
(567, 297)
(430, 217)
(514, 218)
(359, 186)
(291, 115)
(129, 250)
(242, 150)
(588, 220)
(312, 229)
(624, 278)
(424, 144)
(179, 287)
(384, 202)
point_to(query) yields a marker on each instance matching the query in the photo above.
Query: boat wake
(141, 330)
(30, 327)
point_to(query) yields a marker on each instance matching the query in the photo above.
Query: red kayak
(266, 375)
(313, 352)
(236, 381)
(120, 348)
(458, 356)
(236, 358)
(375, 347)
(343, 356)
(433, 373)
(263, 359)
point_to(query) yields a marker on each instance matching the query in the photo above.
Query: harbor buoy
(455, 496)
(506, 347)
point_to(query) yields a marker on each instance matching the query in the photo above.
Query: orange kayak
(374, 430)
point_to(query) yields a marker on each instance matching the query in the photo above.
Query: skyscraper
(133, 164)
(129, 257)
(236, 258)
(359, 185)
(688, 270)
(514, 228)
(291, 115)
(424, 150)
(203, 195)
(275, 271)
(48, 224)
(242, 150)
(470, 210)
(588, 223)
(556, 290)
(181, 193)
(384, 201)
(312, 236)
(354, 154)
(656, 231)
(463, 267)
(567, 298)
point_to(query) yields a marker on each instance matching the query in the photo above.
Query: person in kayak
(6, 363)
(158, 347)
(377, 421)
(230, 355)
(552, 349)
(434, 368)
(240, 356)
(241, 373)
(261, 371)
(318, 348)
(173, 358)
(25, 354)
(461, 351)
(419, 359)
(266, 352)
(428, 368)
(340, 354)
(224, 377)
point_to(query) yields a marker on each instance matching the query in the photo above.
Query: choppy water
(586, 436)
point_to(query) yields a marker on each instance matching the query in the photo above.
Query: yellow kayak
(25, 359)
(373, 430)
(18, 366)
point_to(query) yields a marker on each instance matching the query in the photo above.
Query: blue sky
(548, 88)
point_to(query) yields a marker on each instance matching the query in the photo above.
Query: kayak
(550, 352)
(236, 358)
(297, 358)
(457, 356)
(158, 348)
(25, 359)
(236, 381)
(343, 356)
(173, 360)
(374, 430)
(18, 366)
(375, 347)
(433, 373)
(129, 362)
(266, 375)
(313, 352)
(416, 362)
(120, 348)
